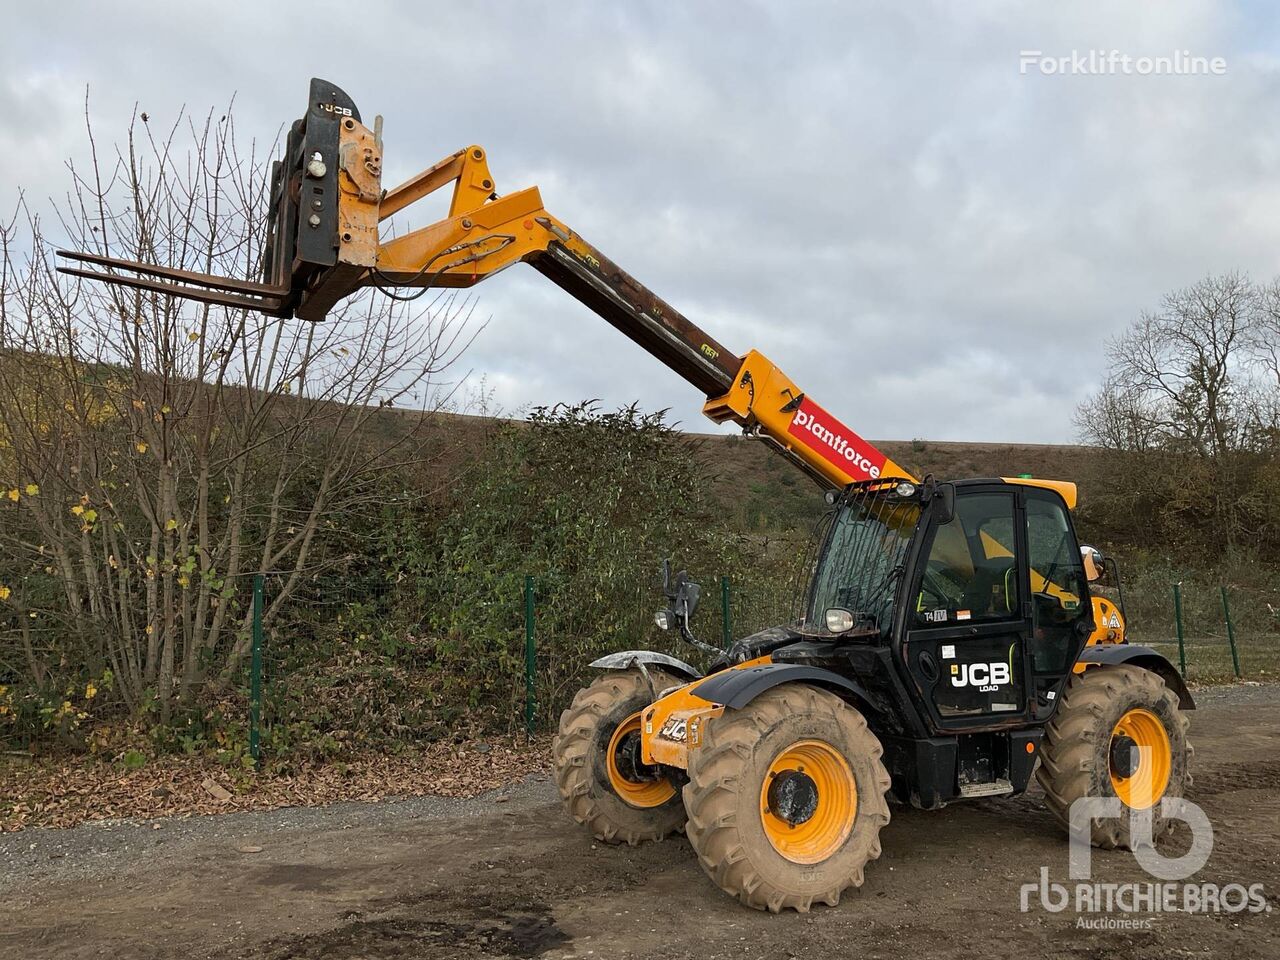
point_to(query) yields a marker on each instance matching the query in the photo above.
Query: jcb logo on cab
(985, 676)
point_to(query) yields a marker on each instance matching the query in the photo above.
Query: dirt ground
(507, 875)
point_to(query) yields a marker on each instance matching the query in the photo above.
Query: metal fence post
(255, 673)
(1231, 631)
(726, 622)
(1177, 619)
(529, 665)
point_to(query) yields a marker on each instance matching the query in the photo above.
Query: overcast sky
(931, 241)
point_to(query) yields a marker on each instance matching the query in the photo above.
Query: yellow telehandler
(950, 643)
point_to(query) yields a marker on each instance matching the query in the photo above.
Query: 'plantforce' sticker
(835, 442)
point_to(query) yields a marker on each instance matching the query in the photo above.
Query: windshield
(862, 559)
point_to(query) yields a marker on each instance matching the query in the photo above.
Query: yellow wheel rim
(820, 767)
(637, 793)
(1140, 787)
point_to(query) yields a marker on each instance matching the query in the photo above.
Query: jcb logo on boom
(985, 676)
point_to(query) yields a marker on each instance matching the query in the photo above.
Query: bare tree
(1263, 341)
(155, 453)
(1184, 361)
(1119, 417)
(1182, 404)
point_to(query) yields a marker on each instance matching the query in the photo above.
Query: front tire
(1105, 713)
(786, 799)
(601, 780)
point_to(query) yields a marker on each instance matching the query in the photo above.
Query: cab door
(1060, 610)
(968, 629)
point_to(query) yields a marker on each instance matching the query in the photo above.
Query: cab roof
(1064, 488)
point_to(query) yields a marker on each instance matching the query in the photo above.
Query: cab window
(1058, 594)
(1057, 572)
(971, 574)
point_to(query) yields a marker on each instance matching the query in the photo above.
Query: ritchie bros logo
(836, 443)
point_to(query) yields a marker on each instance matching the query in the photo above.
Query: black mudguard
(737, 688)
(1145, 657)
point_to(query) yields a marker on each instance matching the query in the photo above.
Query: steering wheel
(932, 591)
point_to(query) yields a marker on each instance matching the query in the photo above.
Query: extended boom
(324, 244)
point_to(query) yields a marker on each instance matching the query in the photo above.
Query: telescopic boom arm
(323, 244)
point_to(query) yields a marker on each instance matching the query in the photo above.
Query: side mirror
(682, 600)
(944, 496)
(1094, 563)
(681, 592)
(690, 593)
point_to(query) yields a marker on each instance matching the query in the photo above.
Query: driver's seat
(979, 595)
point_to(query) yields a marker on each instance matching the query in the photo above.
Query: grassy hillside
(769, 494)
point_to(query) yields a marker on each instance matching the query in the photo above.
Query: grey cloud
(931, 243)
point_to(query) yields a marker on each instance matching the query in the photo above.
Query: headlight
(905, 489)
(839, 621)
(663, 619)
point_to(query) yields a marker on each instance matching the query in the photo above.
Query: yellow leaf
(166, 409)
(150, 629)
(171, 524)
(140, 447)
(193, 336)
(90, 691)
(14, 494)
(32, 489)
(90, 516)
(77, 509)
(184, 582)
(4, 592)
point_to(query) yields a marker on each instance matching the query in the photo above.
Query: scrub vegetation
(158, 456)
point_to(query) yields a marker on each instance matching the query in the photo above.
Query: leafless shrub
(155, 453)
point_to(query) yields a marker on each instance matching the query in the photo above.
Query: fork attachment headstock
(322, 222)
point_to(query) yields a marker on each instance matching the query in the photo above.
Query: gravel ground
(114, 848)
(506, 874)
(1245, 692)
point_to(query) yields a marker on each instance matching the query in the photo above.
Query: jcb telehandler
(949, 643)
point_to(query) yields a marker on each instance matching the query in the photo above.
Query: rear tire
(747, 848)
(1086, 752)
(590, 777)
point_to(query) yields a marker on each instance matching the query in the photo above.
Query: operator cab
(977, 588)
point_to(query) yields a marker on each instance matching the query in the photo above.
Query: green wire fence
(1199, 634)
